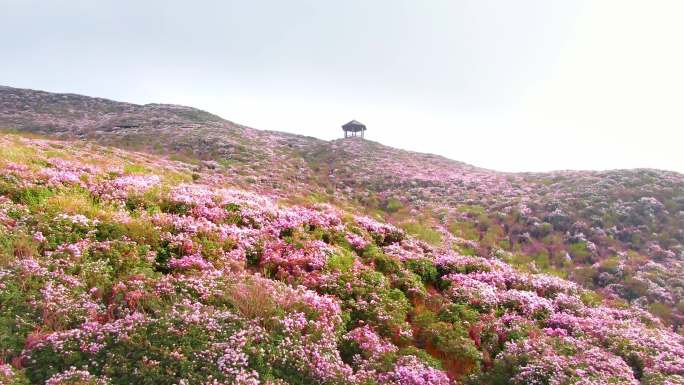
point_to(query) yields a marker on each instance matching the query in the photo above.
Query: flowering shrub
(356, 241)
(369, 342)
(125, 186)
(558, 360)
(74, 376)
(410, 371)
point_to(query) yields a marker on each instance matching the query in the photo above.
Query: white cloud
(515, 86)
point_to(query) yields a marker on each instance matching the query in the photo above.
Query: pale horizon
(524, 87)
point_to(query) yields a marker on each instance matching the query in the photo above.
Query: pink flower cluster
(56, 177)
(76, 376)
(123, 186)
(295, 261)
(410, 371)
(356, 241)
(373, 226)
(370, 342)
(547, 362)
(194, 261)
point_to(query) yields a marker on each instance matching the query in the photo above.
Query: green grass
(579, 250)
(423, 232)
(55, 154)
(17, 153)
(466, 230)
(131, 168)
(472, 209)
(393, 205)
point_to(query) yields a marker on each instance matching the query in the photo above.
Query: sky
(525, 85)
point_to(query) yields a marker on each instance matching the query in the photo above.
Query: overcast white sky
(525, 85)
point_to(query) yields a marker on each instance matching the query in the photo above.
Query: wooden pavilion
(352, 129)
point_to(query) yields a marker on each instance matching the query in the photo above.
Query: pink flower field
(291, 264)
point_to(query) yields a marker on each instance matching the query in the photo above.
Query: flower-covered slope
(119, 267)
(263, 159)
(619, 232)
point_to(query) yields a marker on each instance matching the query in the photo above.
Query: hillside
(163, 244)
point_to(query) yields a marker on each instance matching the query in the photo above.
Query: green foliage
(59, 231)
(387, 239)
(383, 262)
(316, 197)
(17, 317)
(6, 249)
(348, 350)
(539, 261)
(147, 201)
(19, 246)
(164, 253)
(72, 201)
(610, 265)
(110, 230)
(29, 196)
(169, 206)
(146, 357)
(423, 232)
(390, 305)
(472, 209)
(140, 230)
(542, 230)
(466, 230)
(392, 205)
(465, 250)
(132, 168)
(635, 288)
(342, 261)
(213, 247)
(493, 235)
(452, 340)
(500, 374)
(253, 254)
(579, 250)
(424, 318)
(424, 268)
(459, 312)
(122, 258)
(422, 356)
(590, 298)
(410, 284)
(662, 311)
(585, 276)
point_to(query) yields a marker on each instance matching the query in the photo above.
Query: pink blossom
(38, 237)
(410, 371)
(194, 261)
(369, 342)
(357, 241)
